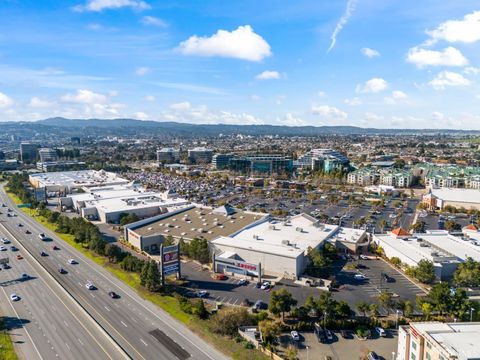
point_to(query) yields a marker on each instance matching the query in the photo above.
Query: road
(49, 323)
(142, 329)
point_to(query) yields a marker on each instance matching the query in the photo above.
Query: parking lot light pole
(396, 320)
(471, 314)
(393, 355)
(307, 350)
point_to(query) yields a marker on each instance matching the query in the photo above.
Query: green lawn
(6, 347)
(166, 302)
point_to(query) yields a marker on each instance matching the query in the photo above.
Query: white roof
(457, 195)
(291, 238)
(140, 201)
(78, 178)
(349, 235)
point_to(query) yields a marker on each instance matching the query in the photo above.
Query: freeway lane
(56, 326)
(130, 320)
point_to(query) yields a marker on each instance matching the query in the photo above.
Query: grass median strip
(7, 352)
(167, 302)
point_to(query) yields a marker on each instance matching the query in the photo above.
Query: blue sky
(367, 63)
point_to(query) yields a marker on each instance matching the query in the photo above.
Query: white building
(279, 246)
(168, 156)
(47, 155)
(458, 198)
(444, 250)
(439, 341)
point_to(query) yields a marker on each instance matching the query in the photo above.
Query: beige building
(439, 341)
(458, 198)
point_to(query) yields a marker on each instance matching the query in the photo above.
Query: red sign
(247, 266)
(170, 256)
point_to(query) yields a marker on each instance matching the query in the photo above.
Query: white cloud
(5, 101)
(242, 43)
(100, 5)
(268, 75)
(372, 117)
(181, 106)
(447, 57)
(397, 94)
(326, 111)
(350, 8)
(84, 97)
(466, 30)
(141, 115)
(36, 102)
(142, 71)
(370, 53)
(470, 70)
(291, 120)
(448, 78)
(437, 116)
(353, 101)
(153, 21)
(321, 93)
(150, 98)
(373, 85)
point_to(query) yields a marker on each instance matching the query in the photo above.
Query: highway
(143, 330)
(53, 325)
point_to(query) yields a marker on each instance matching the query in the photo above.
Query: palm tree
(363, 307)
(374, 310)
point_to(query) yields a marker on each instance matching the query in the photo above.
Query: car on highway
(55, 247)
(14, 297)
(20, 224)
(62, 271)
(3, 248)
(13, 248)
(43, 253)
(113, 295)
(28, 232)
(294, 335)
(19, 257)
(72, 261)
(202, 293)
(265, 285)
(359, 277)
(89, 285)
(243, 282)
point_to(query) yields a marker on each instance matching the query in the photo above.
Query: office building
(438, 341)
(200, 155)
(261, 165)
(168, 156)
(28, 152)
(63, 165)
(326, 160)
(221, 161)
(47, 155)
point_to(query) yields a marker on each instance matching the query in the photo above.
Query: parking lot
(341, 348)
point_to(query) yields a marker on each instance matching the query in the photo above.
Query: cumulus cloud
(141, 116)
(446, 57)
(353, 101)
(268, 75)
(326, 111)
(466, 30)
(350, 8)
(321, 93)
(182, 106)
(448, 79)
(142, 71)
(100, 5)
(396, 96)
(437, 116)
(153, 21)
(373, 85)
(150, 98)
(370, 53)
(36, 102)
(470, 70)
(242, 43)
(291, 120)
(83, 96)
(5, 101)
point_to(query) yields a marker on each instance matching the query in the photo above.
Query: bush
(227, 321)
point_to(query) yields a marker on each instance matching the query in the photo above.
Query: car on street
(20, 224)
(3, 248)
(372, 355)
(62, 271)
(294, 335)
(243, 282)
(89, 285)
(380, 331)
(346, 334)
(28, 232)
(72, 261)
(202, 293)
(113, 295)
(55, 247)
(359, 277)
(5, 266)
(14, 297)
(43, 253)
(265, 285)
(19, 257)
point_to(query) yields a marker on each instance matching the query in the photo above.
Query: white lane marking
(124, 324)
(144, 343)
(66, 324)
(80, 341)
(106, 308)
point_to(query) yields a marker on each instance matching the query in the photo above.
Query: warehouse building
(280, 247)
(458, 198)
(435, 340)
(444, 250)
(188, 223)
(64, 182)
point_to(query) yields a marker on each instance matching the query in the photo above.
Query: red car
(19, 257)
(221, 277)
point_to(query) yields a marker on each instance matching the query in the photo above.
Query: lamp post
(307, 351)
(471, 314)
(396, 319)
(393, 355)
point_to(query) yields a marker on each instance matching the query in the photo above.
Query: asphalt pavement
(131, 321)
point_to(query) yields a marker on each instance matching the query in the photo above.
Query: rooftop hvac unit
(299, 229)
(434, 253)
(272, 227)
(286, 242)
(255, 237)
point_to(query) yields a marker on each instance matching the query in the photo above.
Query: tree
(425, 271)
(440, 297)
(396, 261)
(168, 241)
(408, 309)
(418, 226)
(427, 309)
(199, 309)
(374, 310)
(150, 276)
(363, 307)
(342, 310)
(382, 224)
(385, 299)
(291, 353)
(467, 274)
(269, 330)
(451, 225)
(113, 252)
(128, 218)
(228, 320)
(281, 301)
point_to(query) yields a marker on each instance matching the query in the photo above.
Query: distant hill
(176, 128)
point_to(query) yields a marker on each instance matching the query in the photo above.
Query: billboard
(170, 260)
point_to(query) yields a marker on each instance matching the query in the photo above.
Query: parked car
(243, 282)
(3, 248)
(13, 248)
(19, 257)
(388, 278)
(372, 355)
(258, 305)
(364, 257)
(346, 334)
(380, 331)
(294, 335)
(221, 277)
(359, 277)
(265, 285)
(202, 293)
(14, 297)
(328, 335)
